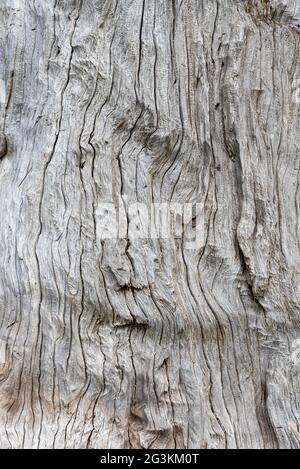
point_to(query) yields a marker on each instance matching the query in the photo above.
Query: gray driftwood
(144, 343)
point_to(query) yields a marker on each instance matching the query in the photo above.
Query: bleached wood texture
(144, 343)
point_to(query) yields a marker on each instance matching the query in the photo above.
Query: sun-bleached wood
(144, 343)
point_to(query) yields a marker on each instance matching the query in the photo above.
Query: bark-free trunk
(143, 341)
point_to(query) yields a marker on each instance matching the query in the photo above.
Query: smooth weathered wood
(144, 342)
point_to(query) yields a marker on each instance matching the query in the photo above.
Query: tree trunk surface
(145, 342)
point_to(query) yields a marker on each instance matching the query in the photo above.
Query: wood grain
(143, 343)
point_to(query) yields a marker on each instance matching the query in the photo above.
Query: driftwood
(120, 341)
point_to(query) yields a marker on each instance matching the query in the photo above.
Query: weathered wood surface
(142, 342)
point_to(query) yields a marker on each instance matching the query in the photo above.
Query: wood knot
(3, 145)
